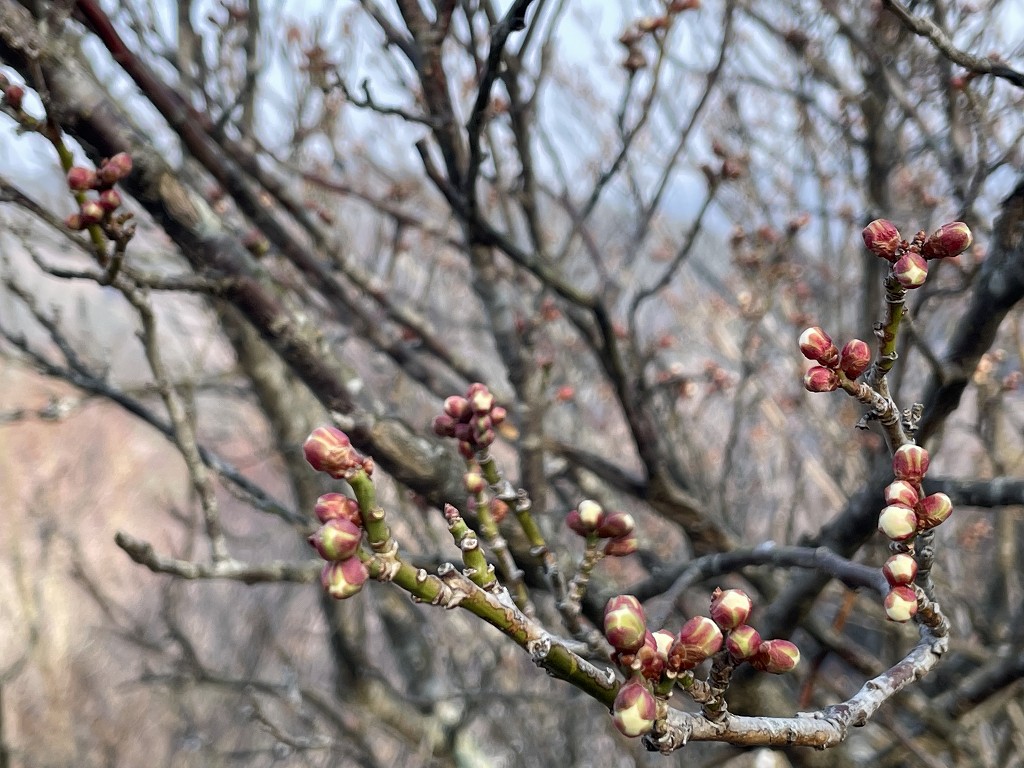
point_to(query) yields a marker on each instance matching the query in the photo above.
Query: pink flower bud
(634, 710)
(699, 638)
(337, 506)
(498, 415)
(336, 540)
(882, 238)
(625, 626)
(901, 492)
(776, 657)
(821, 379)
(481, 401)
(92, 212)
(74, 221)
(474, 482)
(910, 270)
(444, 425)
(898, 523)
(900, 569)
(901, 604)
(910, 463)
(586, 518)
(14, 94)
(81, 179)
(817, 345)
(933, 510)
(622, 546)
(854, 358)
(345, 578)
(948, 240)
(730, 607)
(458, 408)
(115, 169)
(109, 200)
(743, 642)
(616, 525)
(329, 450)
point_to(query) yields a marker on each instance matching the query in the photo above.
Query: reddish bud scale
(910, 463)
(344, 579)
(730, 608)
(910, 270)
(634, 709)
(699, 638)
(337, 506)
(901, 604)
(933, 510)
(900, 569)
(821, 379)
(817, 345)
(854, 358)
(947, 241)
(651, 663)
(625, 626)
(882, 238)
(776, 657)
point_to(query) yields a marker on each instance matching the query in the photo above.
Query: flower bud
(109, 200)
(81, 179)
(743, 642)
(898, 523)
(622, 546)
(910, 463)
(336, 540)
(337, 506)
(458, 408)
(901, 492)
(947, 241)
(474, 482)
(900, 569)
(498, 415)
(115, 169)
(776, 657)
(663, 640)
(92, 212)
(817, 345)
(344, 579)
(328, 449)
(933, 510)
(910, 270)
(650, 662)
(634, 710)
(699, 638)
(821, 379)
(74, 221)
(901, 604)
(882, 238)
(586, 518)
(616, 525)
(14, 94)
(854, 358)
(730, 607)
(624, 624)
(481, 401)
(444, 425)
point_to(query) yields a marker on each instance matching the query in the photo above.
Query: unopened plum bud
(616, 525)
(81, 179)
(109, 199)
(498, 415)
(625, 626)
(115, 169)
(651, 663)
(591, 515)
(92, 212)
(898, 523)
(901, 492)
(730, 607)
(328, 449)
(743, 642)
(344, 579)
(336, 540)
(481, 401)
(634, 710)
(911, 270)
(854, 358)
(948, 240)
(900, 569)
(458, 408)
(622, 546)
(910, 463)
(821, 379)
(337, 506)
(776, 657)
(817, 345)
(444, 425)
(74, 221)
(663, 640)
(933, 510)
(699, 638)
(901, 604)
(13, 95)
(882, 238)
(474, 482)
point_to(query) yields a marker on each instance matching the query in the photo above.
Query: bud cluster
(471, 419)
(908, 513)
(337, 541)
(590, 521)
(654, 658)
(94, 210)
(832, 363)
(328, 449)
(910, 259)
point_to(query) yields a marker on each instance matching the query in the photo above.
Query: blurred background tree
(618, 217)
